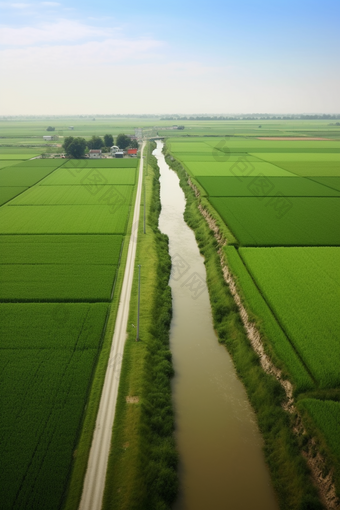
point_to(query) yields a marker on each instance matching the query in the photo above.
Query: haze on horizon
(247, 56)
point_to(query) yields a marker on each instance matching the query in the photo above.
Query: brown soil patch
(292, 138)
(132, 400)
(315, 461)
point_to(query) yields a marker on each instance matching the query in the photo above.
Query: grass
(46, 370)
(62, 219)
(60, 249)
(281, 221)
(301, 285)
(61, 282)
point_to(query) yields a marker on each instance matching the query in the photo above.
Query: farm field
(85, 194)
(60, 250)
(62, 219)
(91, 176)
(261, 186)
(60, 282)
(326, 416)
(48, 353)
(279, 199)
(9, 192)
(272, 221)
(307, 305)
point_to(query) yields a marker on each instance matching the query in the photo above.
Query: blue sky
(171, 57)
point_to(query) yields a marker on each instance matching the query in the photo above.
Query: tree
(123, 141)
(50, 128)
(134, 144)
(95, 143)
(75, 146)
(108, 140)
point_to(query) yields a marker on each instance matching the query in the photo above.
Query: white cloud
(50, 4)
(60, 31)
(92, 54)
(18, 5)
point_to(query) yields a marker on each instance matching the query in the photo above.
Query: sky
(208, 57)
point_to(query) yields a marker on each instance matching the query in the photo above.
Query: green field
(262, 186)
(60, 249)
(326, 416)
(46, 372)
(302, 288)
(102, 163)
(61, 282)
(9, 192)
(62, 219)
(90, 176)
(21, 176)
(281, 221)
(79, 195)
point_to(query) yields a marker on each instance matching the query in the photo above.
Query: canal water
(221, 460)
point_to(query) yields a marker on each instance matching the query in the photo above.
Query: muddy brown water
(222, 465)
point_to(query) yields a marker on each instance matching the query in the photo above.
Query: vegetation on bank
(143, 459)
(290, 474)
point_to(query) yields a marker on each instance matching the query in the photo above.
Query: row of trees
(76, 147)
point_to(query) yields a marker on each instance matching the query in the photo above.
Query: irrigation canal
(221, 460)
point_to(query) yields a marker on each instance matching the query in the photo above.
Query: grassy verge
(81, 454)
(143, 460)
(289, 472)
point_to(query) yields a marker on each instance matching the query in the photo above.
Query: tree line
(76, 147)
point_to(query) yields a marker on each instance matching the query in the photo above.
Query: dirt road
(94, 482)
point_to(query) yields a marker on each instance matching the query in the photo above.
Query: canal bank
(222, 464)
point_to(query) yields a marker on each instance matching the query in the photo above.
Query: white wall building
(95, 153)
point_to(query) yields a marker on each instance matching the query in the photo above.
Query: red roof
(132, 151)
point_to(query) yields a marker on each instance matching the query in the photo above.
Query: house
(48, 138)
(114, 149)
(132, 152)
(71, 127)
(119, 154)
(95, 153)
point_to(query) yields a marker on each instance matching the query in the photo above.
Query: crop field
(62, 219)
(326, 416)
(90, 176)
(306, 305)
(61, 282)
(60, 249)
(46, 370)
(79, 195)
(9, 192)
(102, 163)
(276, 221)
(259, 186)
(241, 167)
(21, 176)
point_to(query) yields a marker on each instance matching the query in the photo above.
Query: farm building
(48, 138)
(114, 149)
(95, 153)
(132, 152)
(119, 154)
(71, 127)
